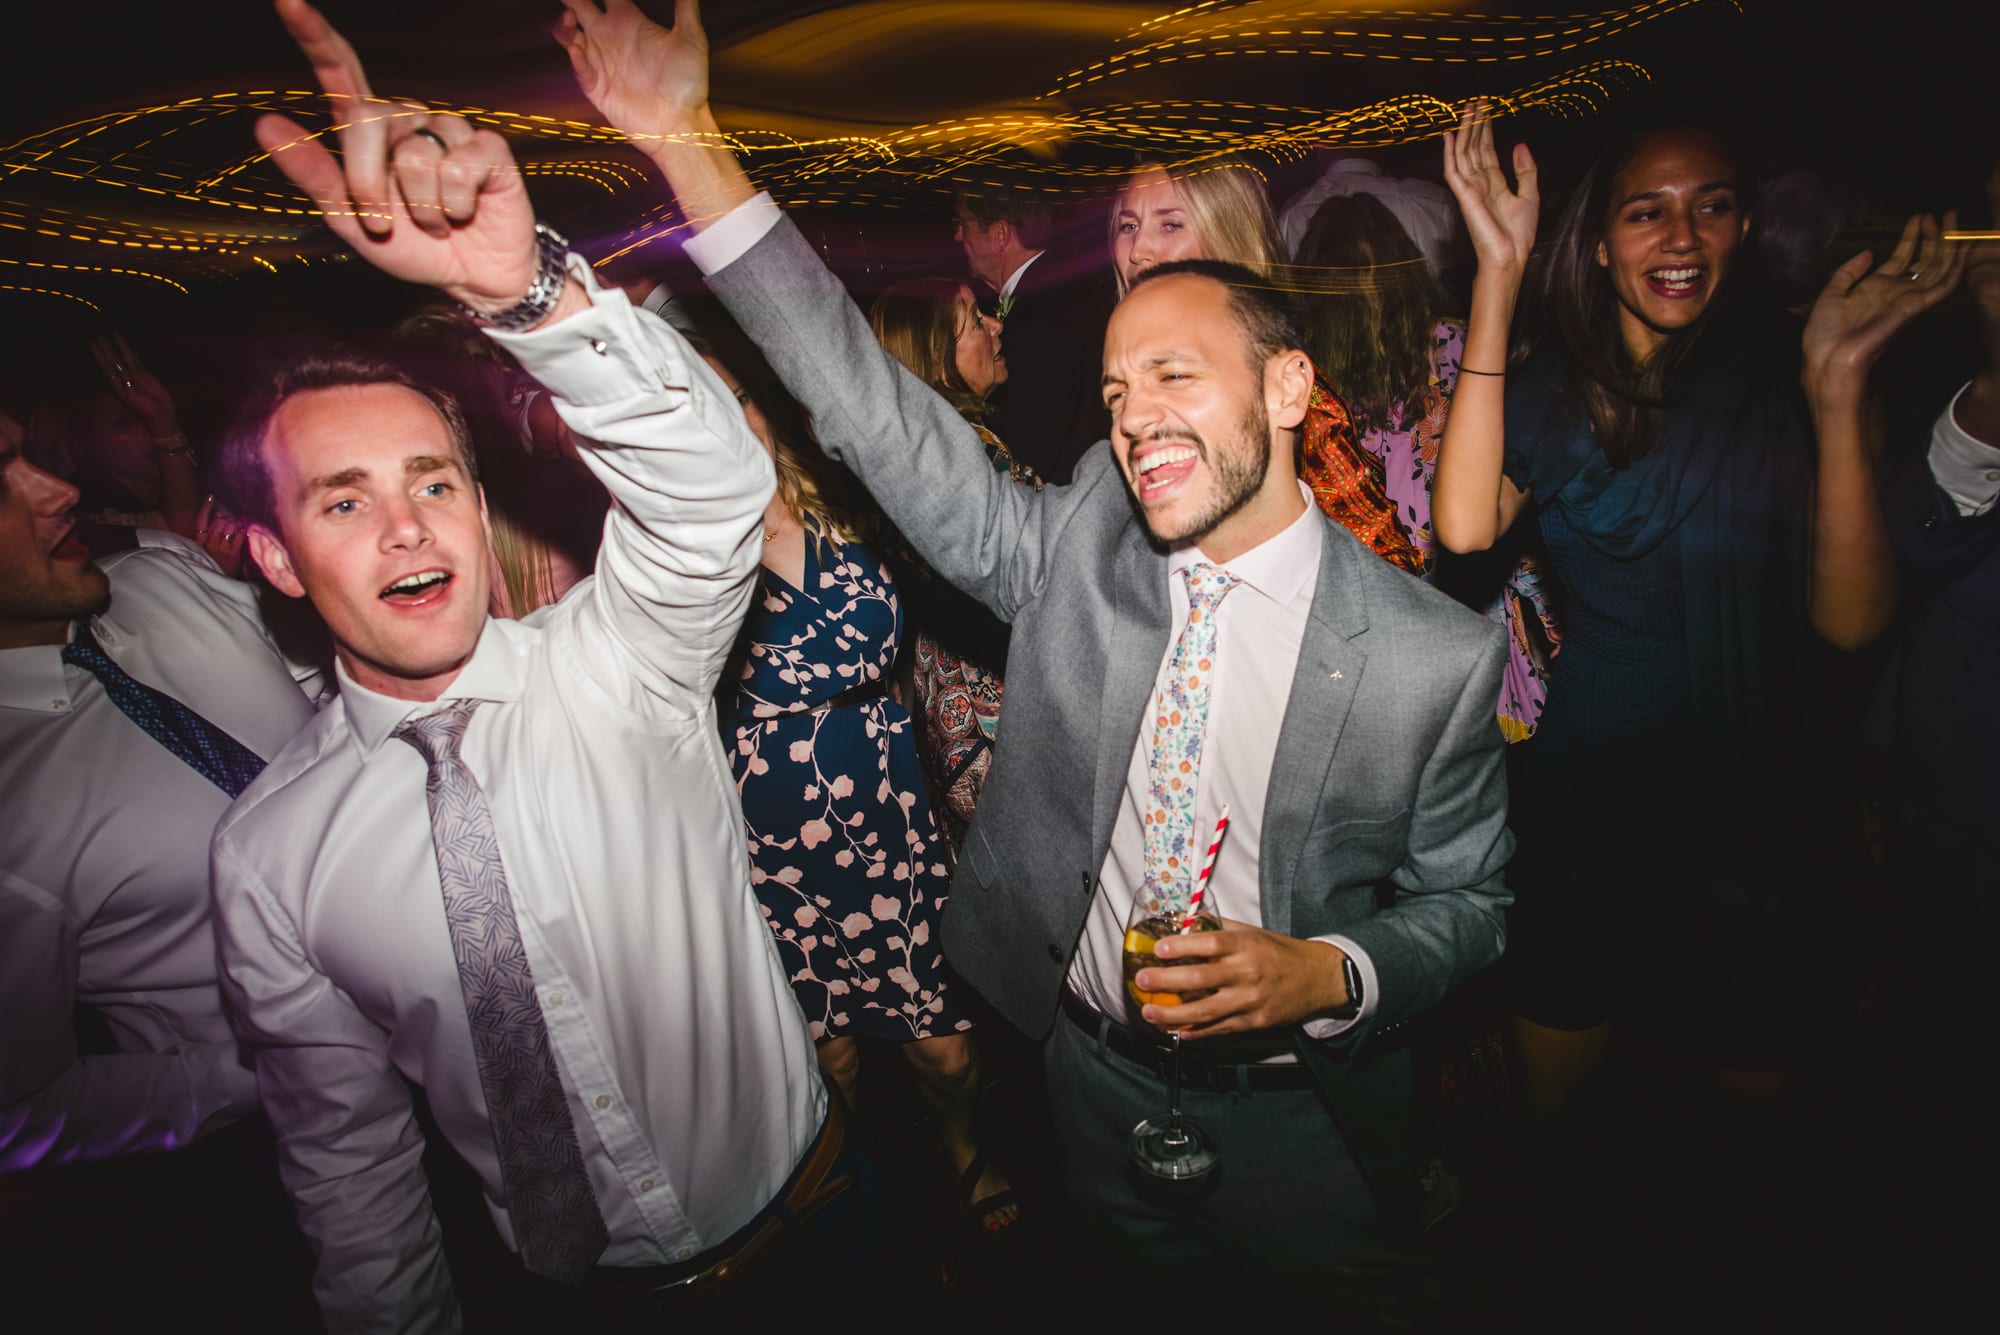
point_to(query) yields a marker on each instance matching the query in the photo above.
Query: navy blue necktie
(220, 758)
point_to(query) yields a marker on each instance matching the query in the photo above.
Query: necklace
(770, 535)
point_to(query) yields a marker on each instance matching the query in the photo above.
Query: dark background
(1891, 98)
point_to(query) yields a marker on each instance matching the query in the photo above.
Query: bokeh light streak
(1078, 138)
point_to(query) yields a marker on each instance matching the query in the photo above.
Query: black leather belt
(853, 695)
(1236, 1062)
(811, 1186)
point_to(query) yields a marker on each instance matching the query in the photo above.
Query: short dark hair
(1266, 314)
(246, 472)
(1033, 221)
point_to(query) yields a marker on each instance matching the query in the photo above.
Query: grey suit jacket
(1389, 772)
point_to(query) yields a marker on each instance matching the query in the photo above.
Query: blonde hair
(527, 576)
(1230, 211)
(799, 489)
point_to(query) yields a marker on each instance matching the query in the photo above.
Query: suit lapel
(1140, 630)
(1323, 687)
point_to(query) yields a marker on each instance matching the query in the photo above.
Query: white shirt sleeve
(57, 1107)
(688, 483)
(349, 1149)
(1328, 1027)
(725, 240)
(1965, 468)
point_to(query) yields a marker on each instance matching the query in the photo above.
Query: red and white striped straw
(1207, 866)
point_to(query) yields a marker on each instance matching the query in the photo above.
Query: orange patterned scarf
(1347, 482)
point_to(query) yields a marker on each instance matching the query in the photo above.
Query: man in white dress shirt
(104, 900)
(507, 864)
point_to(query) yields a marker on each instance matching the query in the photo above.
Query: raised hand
(136, 387)
(648, 81)
(1860, 311)
(423, 196)
(1500, 219)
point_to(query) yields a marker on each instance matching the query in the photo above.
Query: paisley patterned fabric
(1347, 482)
(1180, 722)
(557, 1225)
(844, 853)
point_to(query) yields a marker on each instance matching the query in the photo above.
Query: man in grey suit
(1342, 709)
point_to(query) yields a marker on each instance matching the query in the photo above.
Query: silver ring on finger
(424, 132)
(1914, 274)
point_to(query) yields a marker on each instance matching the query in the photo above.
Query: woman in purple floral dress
(1377, 333)
(844, 854)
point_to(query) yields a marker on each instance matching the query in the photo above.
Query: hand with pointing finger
(423, 196)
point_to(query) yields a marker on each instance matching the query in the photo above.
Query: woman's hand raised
(1860, 311)
(1500, 219)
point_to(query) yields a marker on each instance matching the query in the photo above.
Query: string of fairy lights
(126, 198)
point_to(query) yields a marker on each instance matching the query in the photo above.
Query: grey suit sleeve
(910, 448)
(1446, 922)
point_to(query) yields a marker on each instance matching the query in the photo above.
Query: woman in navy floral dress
(844, 854)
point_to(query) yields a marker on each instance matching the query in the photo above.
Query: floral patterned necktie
(554, 1212)
(1180, 722)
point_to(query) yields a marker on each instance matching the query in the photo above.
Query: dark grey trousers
(1289, 1200)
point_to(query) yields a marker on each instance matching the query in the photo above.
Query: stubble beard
(84, 595)
(1239, 469)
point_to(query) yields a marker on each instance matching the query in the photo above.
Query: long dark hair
(1371, 305)
(1574, 305)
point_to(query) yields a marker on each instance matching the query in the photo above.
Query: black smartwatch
(1351, 972)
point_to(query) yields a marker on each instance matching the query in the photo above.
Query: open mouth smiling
(1162, 468)
(1678, 283)
(418, 590)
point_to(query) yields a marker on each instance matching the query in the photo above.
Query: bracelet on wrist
(551, 250)
(1467, 370)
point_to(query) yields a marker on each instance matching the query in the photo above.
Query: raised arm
(908, 446)
(1472, 500)
(1852, 588)
(426, 198)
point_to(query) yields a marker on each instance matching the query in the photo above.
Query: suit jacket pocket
(1363, 848)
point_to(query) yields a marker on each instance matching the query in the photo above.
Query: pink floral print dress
(844, 854)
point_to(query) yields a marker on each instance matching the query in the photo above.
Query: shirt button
(1993, 477)
(557, 998)
(646, 1184)
(604, 1100)
(683, 1253)
(598, 346)
(1055, 953)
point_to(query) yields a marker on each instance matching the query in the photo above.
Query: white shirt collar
(1014, 279)
(1278, 567)
(32, 678)
(493, 672)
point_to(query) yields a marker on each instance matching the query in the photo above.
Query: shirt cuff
(724, 241)
(1965, 468)
(597, 356)
(1330, 1027)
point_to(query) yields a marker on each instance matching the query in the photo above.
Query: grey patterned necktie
(556, 1221)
